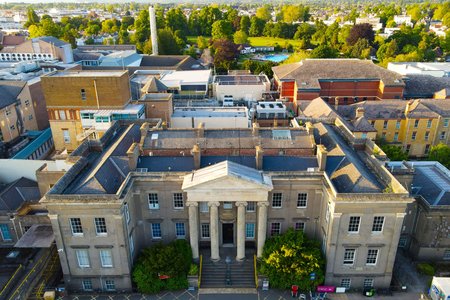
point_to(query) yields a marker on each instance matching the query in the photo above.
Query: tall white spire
(153, 30)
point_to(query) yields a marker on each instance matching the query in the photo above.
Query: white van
(228, 100)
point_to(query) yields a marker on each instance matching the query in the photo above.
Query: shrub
(193, 270)
(290, 258)
(173, 260)
(426, 269)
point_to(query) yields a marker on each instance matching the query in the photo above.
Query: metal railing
(255, 270)
(5, 287)
(200, 271)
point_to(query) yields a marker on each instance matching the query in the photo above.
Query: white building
(187, 83)
(241, 87)
(438, 69)
(403, 19)
(440, 288)
(374, 21)
(211, 117)
(271, 110)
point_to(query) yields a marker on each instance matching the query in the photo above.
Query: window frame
(73, 226)
(446, 255)
(84, 283)
(180, 225)
(416, 123)
(366, 280)
(5, 228)
(205, 232)
(202, 206)
(177, 201)
(153, 201)
(349, 256)
(251, 207)
(103, 263)
(300, 228)
(300, 201)
(98, 226)
(370, 253)
(110, 283)
(347, 285)
(350, 228)
(376, 222)
(154, 229)
(272, 233)
(250, 228)
(279, 198)
(79, 257)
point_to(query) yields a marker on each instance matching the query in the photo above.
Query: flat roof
(85, 73)
(223, 112)
(240, 79)
(186, 77)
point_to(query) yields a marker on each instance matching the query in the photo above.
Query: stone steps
(214, 275)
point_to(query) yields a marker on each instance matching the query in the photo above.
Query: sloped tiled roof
(9, 90)
(154, 85)
(424, 86)
(13, 195)
(308, 73)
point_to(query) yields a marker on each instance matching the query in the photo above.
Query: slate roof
(347, 172)
(79, 55)
(441, 107)
(9, 90)
(431, 183)
(172, 62)
(317, 108)
(52, 40)
(308, 73)
(387, 109)
(424, 86)
(13, 195)
(110, 169)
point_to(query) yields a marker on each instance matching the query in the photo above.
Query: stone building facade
(228, 187)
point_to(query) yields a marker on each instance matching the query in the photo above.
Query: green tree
(245, 24)
(264, 13)
(440, 153)
(394, 153)
(361, 49)
(32, 17)
(256, 26)
(142, 29)
(290, 258)
(202, 43)
(221, 30)
(172, 260)
(176, 20)
(167, 42)
(240, 37)
(324, 51)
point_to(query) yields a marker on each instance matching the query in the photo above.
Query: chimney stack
(196, 152)
(255, 129)
(133, 156)
(336, 103)
(408, 107)
(360, 112)
(201, 130)
(322, 157)
(309, 128)
(259, 157)
(144, 131)
(153, 30)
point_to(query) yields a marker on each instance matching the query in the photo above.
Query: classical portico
(233, 184)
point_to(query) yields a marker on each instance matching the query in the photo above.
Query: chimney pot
(201, 130)
(255, 129)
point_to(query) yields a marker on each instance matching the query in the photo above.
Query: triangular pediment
(227, 175)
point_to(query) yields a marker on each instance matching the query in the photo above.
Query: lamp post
(228, 273)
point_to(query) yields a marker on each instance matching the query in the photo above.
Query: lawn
(256, 41)
(270, 41)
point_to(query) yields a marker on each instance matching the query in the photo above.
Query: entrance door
(227, 233)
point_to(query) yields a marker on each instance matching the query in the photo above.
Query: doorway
(227, 233)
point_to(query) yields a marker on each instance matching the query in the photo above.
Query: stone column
(240, 230)
(214, 229)
(193, 227)
(262, 226)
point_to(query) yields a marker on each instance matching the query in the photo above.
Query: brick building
(348, 80)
